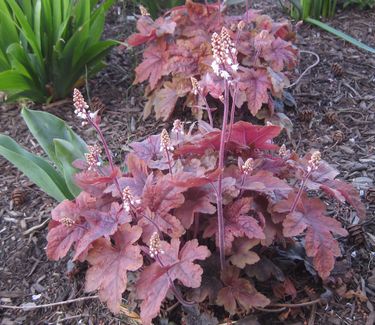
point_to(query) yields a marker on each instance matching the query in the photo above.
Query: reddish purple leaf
(109, 265)
(238, 291)
(244, 136)
(159, 197)
(175, 264)
(153, 65)
(242, 254)
(256, 84)
(319, 242)
(281, 54)
(237, 223)
(100, 224)
(196, 201)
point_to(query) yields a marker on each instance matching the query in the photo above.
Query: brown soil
(25, 270)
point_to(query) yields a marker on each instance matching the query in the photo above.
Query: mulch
(335, 114)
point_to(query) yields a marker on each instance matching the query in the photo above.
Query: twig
(312, 315)
(37, 227)
(302, 304)
(29, 307)
(57, 104)
(307, 69)
(72, 317)
(352, 89)
(267, 310)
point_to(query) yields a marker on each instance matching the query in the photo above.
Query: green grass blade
(341, 34)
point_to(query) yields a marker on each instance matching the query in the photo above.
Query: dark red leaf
(264, 270)
(94, 183)
(244, 136)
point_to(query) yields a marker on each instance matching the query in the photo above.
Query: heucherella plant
(178, 62)
(196, 209)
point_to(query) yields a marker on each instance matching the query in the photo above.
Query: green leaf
(35, 168)
(66, 154)
(341, 34)
(18, 86)
(46, 127)
(27, 31)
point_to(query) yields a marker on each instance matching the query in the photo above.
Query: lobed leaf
(238, 291)
(319, 242)
(175, 264)
(110, 263)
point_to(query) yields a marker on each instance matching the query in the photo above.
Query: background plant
(161, 217)
(302, 9)
(60, 143)
(155, 8)
(362, 4)
(47, 47)
(311, 12)
(178, 49)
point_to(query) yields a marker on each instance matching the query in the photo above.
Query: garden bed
(334, 114)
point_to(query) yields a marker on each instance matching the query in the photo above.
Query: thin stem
(232, 111)
(174, 289)
(219, 197)
(27, 307)
(107, 152)
(299, 193)
(208, 109)
(196, 224)
(169, 162)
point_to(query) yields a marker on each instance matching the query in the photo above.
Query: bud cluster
(178, 127)
(248, 166)
(314, 161)
(93, 156)
(81, 107)
(241, 25)
(154, 245)
(195, 85)
(224, 54)
(67, 222)
(128, 199)
(165, 141)
(283, 152)
(144, 11)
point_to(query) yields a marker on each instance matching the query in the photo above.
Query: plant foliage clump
(160, 218)
(178, 49)
(47, 47)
